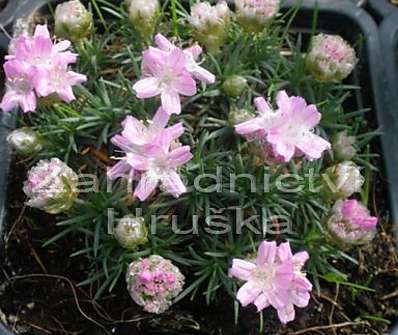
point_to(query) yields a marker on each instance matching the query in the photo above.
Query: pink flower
(331, 58)
(165, 76)
(57, 79)
(38, 67)
(40, 51)
(153, 283)
(350, 223)
(257, 128)
(289, 129)
(136, 137)
(151, 155)
(358, 214)
(159, 166)
(275, 279)
(20, 90)
(191, 55)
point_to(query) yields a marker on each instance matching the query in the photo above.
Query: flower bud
(131, 232)
(350, 223)
(234, 85)
(254, 16)
(51, 186)
(342, 145)
(343, 180)
(331, 58)
(25, 141)
(237, 116)
(72, 21)
(143, 14)
(210, 24)
(153, 283)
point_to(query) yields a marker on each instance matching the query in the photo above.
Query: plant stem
(174, 17)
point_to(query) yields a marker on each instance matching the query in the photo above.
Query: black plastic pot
(389, 47)
(380, 9)
(341, 17)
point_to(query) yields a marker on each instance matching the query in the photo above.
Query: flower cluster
(343, 146)
(210, 24)
(350, 223)
(274, 279)
(51, 186)
(254, 15)
(343, 180)
(131, 232)
(331, 58)
(143, 14)
(288, 131)
(25, 141)
(38, 68)
(72, 20)
(152, 154)
(168, 71)
(153, 283)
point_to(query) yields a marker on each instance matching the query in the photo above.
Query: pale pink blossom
(51, 186)
(137, 137)
(191, 56)
(19, 87)
(59, 80)
(39, 50)
(274, 279)
(165, 75)
(255, 15)
(151, 155)
(289, 129)
(38, 67)
(351, 223)
(153, 283)
(331, 58)
(358, 214)
(158, 166)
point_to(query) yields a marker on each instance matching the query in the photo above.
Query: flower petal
(267, 252)
(261, 302)
(146, 186)
(171, 102)
(263, 106)
(241, 269)
(179, 156)
(185, 85)
(248, 293)
(172, 184)
(163, 43)
(286, 313)
(147, 87)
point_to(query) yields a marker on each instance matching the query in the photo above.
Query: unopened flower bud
(350, 223)
(331, 58)
(237, 116)
(343, 147)
(72, 21)
(131, 232)
(25, 141)
(143, 14)
(51, 186)
(234, 85)
(343, 180)
(210, 24)
(153, 283)
(254, 15)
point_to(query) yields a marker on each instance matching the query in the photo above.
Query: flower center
(264, 276)
(20, 85)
